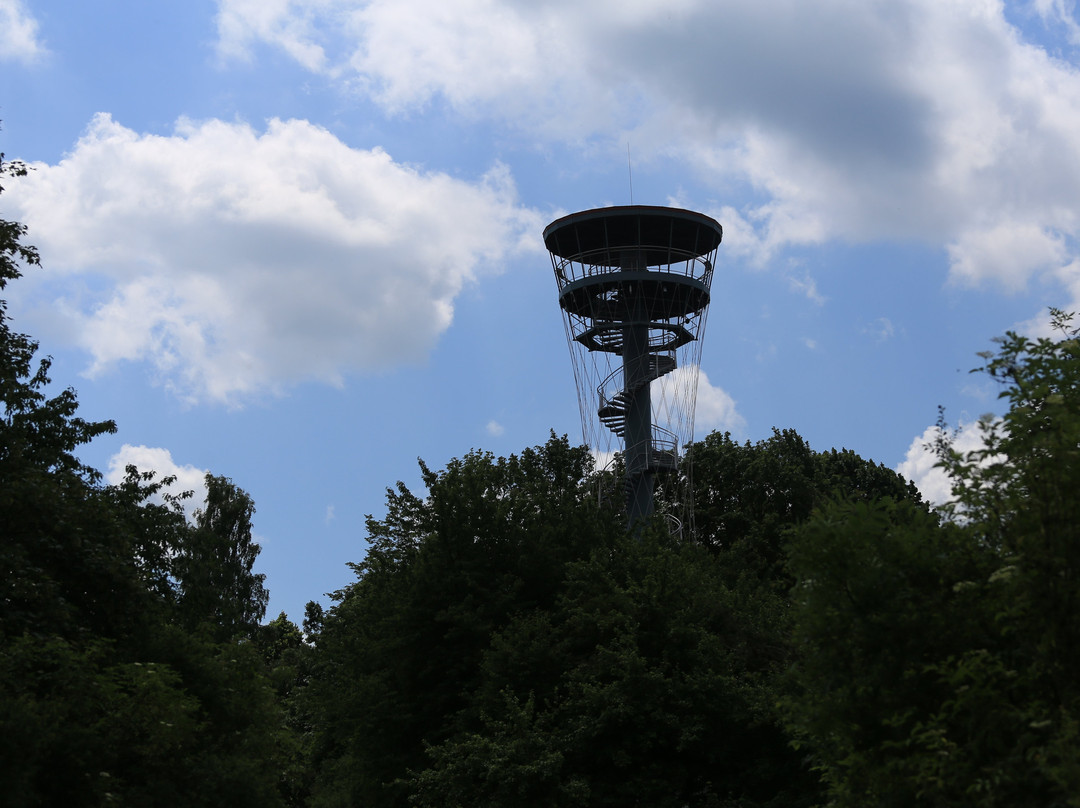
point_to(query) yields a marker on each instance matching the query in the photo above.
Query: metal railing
(605, 260)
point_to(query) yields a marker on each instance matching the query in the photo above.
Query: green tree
(507, 642)
(214, 569)
(642, 686)
(105, 697)
(289, 661)
(42, 483)
(938, 657)
(748, 496)
(399, 654)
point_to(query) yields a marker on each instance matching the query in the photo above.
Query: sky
(298, 243)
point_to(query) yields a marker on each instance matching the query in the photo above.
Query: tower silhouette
(634, 286)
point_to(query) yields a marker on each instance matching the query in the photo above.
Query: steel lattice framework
(634, 285)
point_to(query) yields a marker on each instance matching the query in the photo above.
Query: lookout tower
(634, 287)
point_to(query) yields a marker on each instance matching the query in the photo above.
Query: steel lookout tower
(634, 284)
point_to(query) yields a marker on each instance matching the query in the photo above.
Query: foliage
(214, 569)
(747, 496)
(289, 662)
(399, 655)
(507, 642)
(636, 689)
(938, 658)
(112, 689)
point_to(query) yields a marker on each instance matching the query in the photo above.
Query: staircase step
(661, 364)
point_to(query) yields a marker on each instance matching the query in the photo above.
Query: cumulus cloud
(1007, 253)
(920, 464)
(897, 119)
(146, 458)
(18, 34)
(495, 429)
(238, 262)
(713, 408)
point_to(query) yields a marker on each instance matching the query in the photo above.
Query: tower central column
(636, 378)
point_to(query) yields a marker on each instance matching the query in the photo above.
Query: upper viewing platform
(657, 236)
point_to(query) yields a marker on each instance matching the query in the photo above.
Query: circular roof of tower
(658, 235)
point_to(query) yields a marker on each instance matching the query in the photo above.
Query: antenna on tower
(634, 286)
(630, 172)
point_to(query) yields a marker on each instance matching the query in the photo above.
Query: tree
(507, 642)
(642, 686)
(289, 661)
(748, 496)
(105, 697)
(938, 655)
(399, 654)
(41, 480)
(218, 588)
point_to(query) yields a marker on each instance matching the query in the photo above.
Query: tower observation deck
(634, 286)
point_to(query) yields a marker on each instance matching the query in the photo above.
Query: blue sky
(297, 242)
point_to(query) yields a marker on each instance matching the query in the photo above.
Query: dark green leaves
(937, 659)
(122, 677)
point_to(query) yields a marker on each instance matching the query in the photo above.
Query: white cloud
(286, 25)
(146, 458)
(238, 262)
(884, 119)
(18, 34)
(673, 396)
(1007, 253)
(329, 514)
(495, 429)
(920, 464)
(741, 239)
(716, 409)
